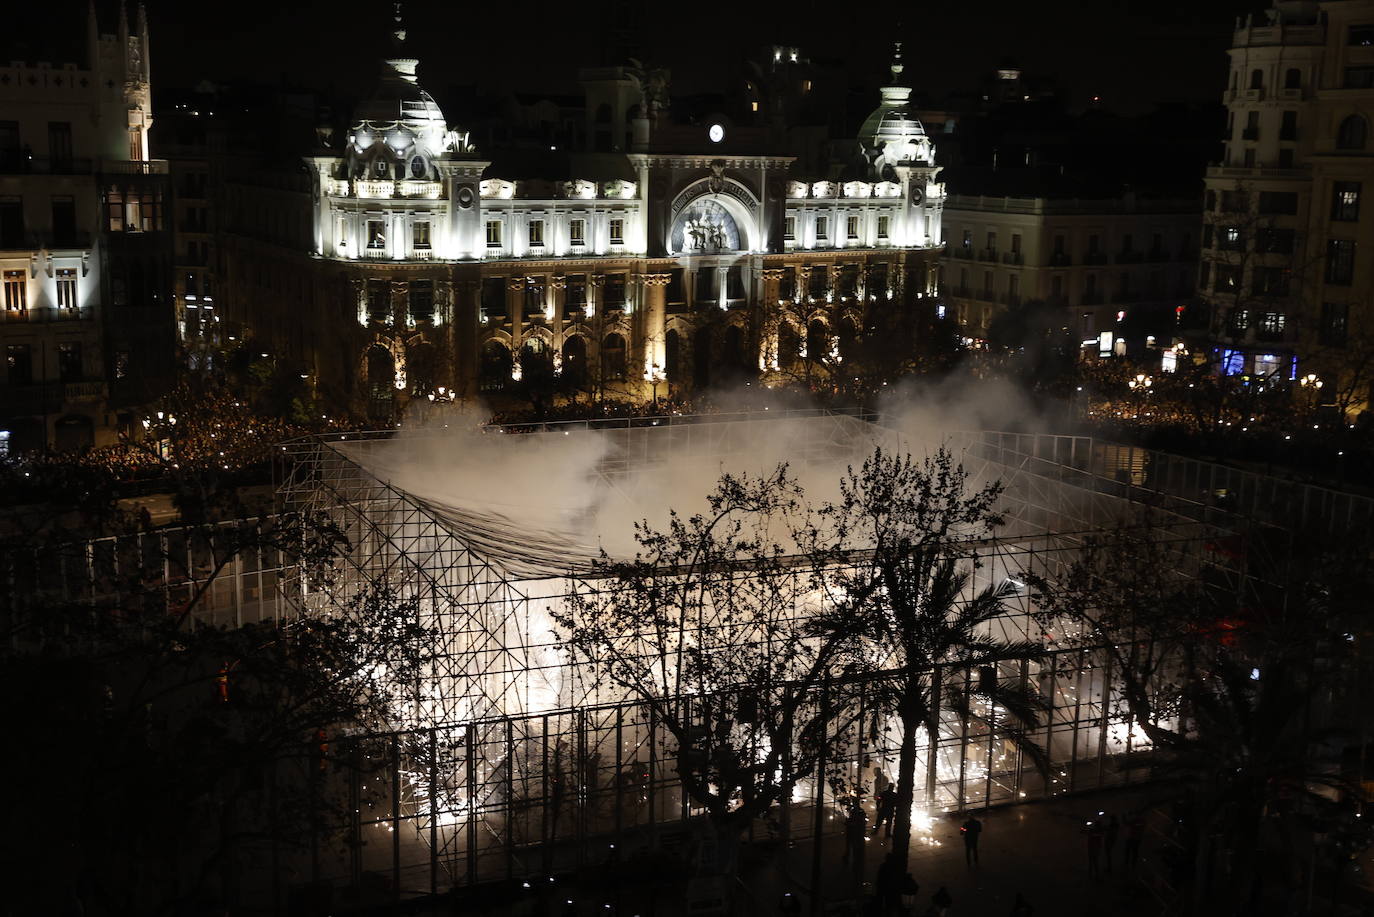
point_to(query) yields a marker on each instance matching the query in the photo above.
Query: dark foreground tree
(707, 627)
(1237, 660)
(185, 764)
(907, 536)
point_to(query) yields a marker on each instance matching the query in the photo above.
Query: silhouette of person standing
(1109, 839)
(971, 829)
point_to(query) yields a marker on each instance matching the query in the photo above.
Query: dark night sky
(1133, 53)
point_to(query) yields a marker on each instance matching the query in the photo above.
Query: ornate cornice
(704, 160)
(656, 280)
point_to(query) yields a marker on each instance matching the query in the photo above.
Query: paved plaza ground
(1038, 849)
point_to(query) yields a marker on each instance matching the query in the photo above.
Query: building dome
(892, 135)
(399, 130)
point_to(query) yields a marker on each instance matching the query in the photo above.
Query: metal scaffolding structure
(511, 761)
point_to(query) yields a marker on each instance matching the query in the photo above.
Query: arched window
(575, 359)
(1256, 79)
(817, 341)
(494, 370)
(536, 362)
(1292, 78)
(849, 339)
(1352, 134)
(381, 381)
(672, 356)
(701, 357)
(732, 351)
(789, 345)
(613, 357)
(422, 367)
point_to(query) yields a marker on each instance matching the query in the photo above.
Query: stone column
(595, 283)
(515, 314)
(655, 325)
(359, 287)
(770, 313)
(557, 298)
(400, 305)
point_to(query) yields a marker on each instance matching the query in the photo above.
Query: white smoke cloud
(585, 489)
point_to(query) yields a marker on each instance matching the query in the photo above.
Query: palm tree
(908, 533)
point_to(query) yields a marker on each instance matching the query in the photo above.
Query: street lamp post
(1312, 385)
(1140, 385)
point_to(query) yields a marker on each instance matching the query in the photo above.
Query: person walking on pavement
(940, 903)
(970, 830)
(854, 833)
(1095, 835)
(887, 810)
(1109, 839)
(1135, 835)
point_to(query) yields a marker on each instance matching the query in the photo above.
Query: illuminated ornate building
(1286, 243)
(85, 327)
(669, 257)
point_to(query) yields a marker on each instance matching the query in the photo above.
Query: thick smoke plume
(585, 490)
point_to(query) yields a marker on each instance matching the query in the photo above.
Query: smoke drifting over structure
(487, 529)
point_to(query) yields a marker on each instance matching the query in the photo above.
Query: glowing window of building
(617, 232)
(66, 287)
(822, 227)
(884, 225)
(577, 232)
(420, 234)
(789, 228)
(536, 233)
(376, 234)
(493, 233)
(16, 292)
(851, 227)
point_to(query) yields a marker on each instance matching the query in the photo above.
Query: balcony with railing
(1060, 259)
(376, 253)
(366, 188)
(962, 253)
(94, 390)
(421, 189)
(1095, 258)
(422, 253)
(133, 167)
(43, 315)
(1013, 258)
(1091, 298)
(987, 254)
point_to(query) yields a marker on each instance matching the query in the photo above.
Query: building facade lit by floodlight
(662, 257)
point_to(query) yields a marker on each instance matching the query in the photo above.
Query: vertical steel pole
(433, 810)
(395, 817)
(472, 803)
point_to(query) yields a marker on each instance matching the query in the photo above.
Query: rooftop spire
(398, 34)
(897, 67)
